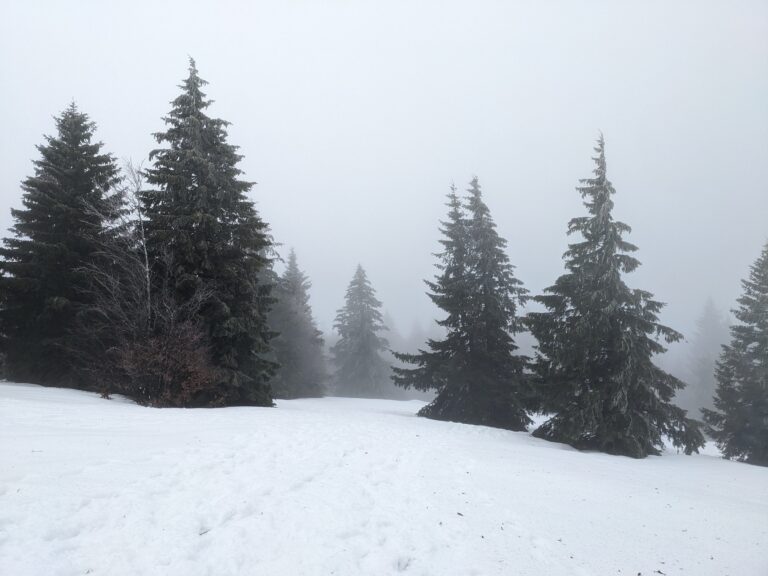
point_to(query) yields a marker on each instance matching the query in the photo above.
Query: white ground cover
(350, 487)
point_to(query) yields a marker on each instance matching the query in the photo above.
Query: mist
(191, 386)
(354, 118)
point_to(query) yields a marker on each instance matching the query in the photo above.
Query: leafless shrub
(134, 337)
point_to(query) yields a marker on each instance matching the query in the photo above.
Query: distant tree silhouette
(360, 368)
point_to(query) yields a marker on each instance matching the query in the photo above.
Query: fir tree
(298, 345)
(360, 369)
(477, 376)
(68, 204)
(204, 233)
(596, 342)
(739, 422)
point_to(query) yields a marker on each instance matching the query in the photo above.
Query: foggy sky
(355, 117)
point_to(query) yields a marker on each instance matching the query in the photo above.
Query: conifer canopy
(361, 371)
(203, 232)
(473, 369)
(68, 204)
(596, 339)
(739, 422)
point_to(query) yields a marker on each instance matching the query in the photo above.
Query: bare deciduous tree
(135, 338)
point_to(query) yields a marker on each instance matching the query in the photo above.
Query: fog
(355, 117)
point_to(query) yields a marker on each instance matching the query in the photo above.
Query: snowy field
(349, 487)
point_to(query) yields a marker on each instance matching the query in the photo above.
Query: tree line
(160, 284)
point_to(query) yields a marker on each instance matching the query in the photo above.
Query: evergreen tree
(68, 204)
(477, 377)
(596, 342)
(739, 422)
(360, 369)
(298, 345)
(204, 233)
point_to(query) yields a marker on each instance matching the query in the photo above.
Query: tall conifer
(739, 422)
(597, 338)
(477, 376)
(68, 204)
(202, 230)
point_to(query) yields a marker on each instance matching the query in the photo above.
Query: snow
(350, 487)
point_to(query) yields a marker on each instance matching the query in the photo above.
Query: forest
(163, 283)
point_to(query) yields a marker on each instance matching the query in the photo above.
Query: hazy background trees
(739, 421)
(298, 344)
(361, 369)
(703, 350)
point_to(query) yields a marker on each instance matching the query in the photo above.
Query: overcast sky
(354, 117)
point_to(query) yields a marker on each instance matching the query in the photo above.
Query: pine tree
(204, 233)
(596, 342)
(477, 377)
(739, 422)
(360, 369)
(68, 204)
(298, 345)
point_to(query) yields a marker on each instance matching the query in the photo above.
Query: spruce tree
(596, 341)
(68, 204)
(298, 346)
(204, 233)
(360, 369)
(477, 376)
(739, 422)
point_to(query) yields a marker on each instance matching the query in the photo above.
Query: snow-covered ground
(349, 487)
